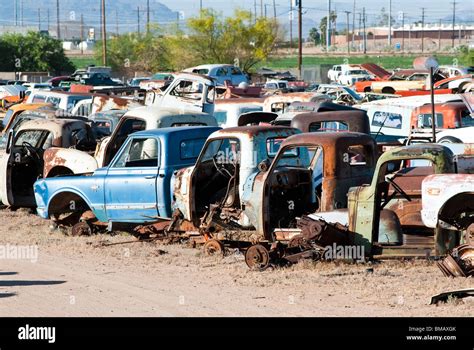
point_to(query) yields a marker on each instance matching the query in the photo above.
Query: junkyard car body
(336, 121)
(448, 201)
(228, 111)
(21, 163)
(384, 216)
(251, 196)
(138, 119)
(16, 110)
(221, 73)
(62, 100)
(135, 187)
(188, 92)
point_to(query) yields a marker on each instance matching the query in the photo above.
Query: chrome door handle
(149, 177)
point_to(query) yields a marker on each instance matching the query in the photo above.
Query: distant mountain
(121, 14)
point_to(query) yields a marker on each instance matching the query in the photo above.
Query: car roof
(191, 130)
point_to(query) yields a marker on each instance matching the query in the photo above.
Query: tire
(449, 139)
(367, 89)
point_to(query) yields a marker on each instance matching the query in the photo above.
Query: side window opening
(139, 153)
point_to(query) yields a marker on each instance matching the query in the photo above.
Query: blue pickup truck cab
(134, 188)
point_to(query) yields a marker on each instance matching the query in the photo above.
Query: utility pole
(39, 19)
(291, 25)
(409, 37)
(261, 8)
(148, 16)
(460, 33)
(347, 34)
(265, 10)
(116, 23)
(58, 30)
(274, 10)
(48, 19)
(300, 37)
(200, 5)
(365, 35)
(439, 35)
(82, 34)
(328, 27)
(104, 36)
(353, 22)
(21, 12)
(422, 28)
(454, 23)
(360, 26)
(100, 23)
(403, 31)
(390, 23)
(138, 20)
(255, 9)
(15, 12)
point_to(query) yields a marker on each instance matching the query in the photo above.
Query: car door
(5, 155)
(130, 184)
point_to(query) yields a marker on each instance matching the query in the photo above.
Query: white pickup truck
(448, 202)
(448, 199)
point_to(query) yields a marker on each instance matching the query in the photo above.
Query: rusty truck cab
(385, 215)
(335, 121)
(323, 168)
(218, 181)
(449, 115)
(24, 160)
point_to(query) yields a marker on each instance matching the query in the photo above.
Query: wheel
(81, 229)
(213, 247)
(449, 139)
(257, 257)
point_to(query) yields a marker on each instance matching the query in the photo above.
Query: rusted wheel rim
(257, 257)
(81, 229)
(213, 247)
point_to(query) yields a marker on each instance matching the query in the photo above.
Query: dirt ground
(80, 277)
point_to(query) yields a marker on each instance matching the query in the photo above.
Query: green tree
(466, 56)
(215, 39)
(315, 36)
(132, 52)
(323, 25)
(383, 18)
(33, 52)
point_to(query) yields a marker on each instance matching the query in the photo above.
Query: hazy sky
(434, 9)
